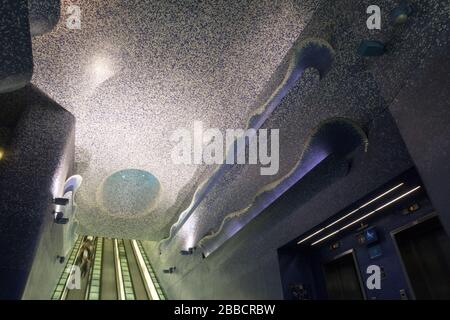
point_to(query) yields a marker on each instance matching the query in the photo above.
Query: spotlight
(59, 218)
(61, 221)
(170, 270)
(188, 251)
(401, 13)
(58, 215)
(61, 201)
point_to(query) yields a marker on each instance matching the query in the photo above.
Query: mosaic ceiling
(137, 71)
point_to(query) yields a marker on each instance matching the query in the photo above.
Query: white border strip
(119, 277)
(149, 285)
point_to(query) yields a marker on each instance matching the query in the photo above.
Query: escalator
(117, 270)
(108, 279)
(135, 273)
(80, 293)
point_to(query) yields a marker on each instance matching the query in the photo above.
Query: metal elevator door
(342, 279)
(425, 252)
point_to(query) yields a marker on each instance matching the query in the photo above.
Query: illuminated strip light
(367, 215)
(119, 276)
(149, 285)
(351, 213)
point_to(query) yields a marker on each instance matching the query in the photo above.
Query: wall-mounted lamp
(188, 251)
(59, 218)
(61, 201)
(371, 48)
(170, 270)
(401, 13)
(58, 215)
(2, 153)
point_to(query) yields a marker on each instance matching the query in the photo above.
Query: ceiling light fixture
(351, 213)
(367, 215)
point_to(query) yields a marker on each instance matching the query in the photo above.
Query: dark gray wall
(16, 58)
(422, 113)
(37, 161)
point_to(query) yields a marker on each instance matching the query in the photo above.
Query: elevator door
(342, 279)
(425, 251)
